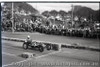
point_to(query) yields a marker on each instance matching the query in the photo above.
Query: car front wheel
(48, 47)
(25, 46)
(41, 49)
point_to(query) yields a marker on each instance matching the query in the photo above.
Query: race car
(36, 45)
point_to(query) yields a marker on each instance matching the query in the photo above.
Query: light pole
(72, 13)
(12, 17)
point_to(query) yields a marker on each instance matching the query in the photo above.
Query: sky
(41, 7)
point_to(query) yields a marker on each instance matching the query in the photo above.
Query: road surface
(64, 58)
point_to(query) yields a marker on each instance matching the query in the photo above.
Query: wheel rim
(48, 47)
(41, 49)
(24, 46)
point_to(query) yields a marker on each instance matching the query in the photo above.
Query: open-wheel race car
(36, 45)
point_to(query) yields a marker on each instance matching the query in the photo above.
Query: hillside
(21, 11)
(63, 13)
(79, 11)
(86, 12)
(23, 6)
(54, 13)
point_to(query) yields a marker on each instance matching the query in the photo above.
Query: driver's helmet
(28, 37)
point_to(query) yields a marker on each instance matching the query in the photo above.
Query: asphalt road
(64, 58)
(15, 49)
(53, 38)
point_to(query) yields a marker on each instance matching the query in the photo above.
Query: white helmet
(28, 36)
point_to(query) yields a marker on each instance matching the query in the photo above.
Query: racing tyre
(41, 49)
(48, 47)
(25, 46)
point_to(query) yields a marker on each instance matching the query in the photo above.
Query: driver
(29, 40)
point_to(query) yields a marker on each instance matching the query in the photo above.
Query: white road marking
(48, 54)
(54, 52)
(14, 56)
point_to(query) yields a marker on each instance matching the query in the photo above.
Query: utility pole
(12, 17)
(72, 13)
